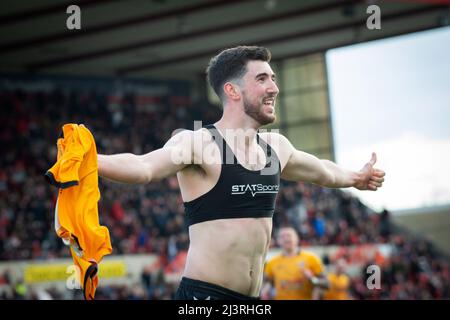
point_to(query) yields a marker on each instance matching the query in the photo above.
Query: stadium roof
(176, 38)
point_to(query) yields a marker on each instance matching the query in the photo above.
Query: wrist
(357, 180)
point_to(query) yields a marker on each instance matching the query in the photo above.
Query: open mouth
(269, 102)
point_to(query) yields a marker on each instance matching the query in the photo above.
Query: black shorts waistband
(214, 288)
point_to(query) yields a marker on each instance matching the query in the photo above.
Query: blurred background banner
(135, 71)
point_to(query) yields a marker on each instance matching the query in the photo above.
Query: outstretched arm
(302, 166)
(129, 168)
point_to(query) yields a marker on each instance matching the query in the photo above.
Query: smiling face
(259, 92)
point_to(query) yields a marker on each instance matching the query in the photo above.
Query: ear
(231, 91)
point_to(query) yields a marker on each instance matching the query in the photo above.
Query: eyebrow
(265, 74)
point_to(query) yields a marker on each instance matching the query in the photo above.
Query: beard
(256, 112)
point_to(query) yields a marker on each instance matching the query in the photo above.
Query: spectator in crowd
(295, 274)
(339, 283)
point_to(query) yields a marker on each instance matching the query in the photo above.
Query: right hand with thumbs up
(370, 178)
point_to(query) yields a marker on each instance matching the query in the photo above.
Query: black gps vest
(239, 192)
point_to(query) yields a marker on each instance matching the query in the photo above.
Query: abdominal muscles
(229, 253)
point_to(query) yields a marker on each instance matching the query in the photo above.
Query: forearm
(124, 167)
(339, 177)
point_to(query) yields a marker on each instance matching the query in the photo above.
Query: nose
(273, 88)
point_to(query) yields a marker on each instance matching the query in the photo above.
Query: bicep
(297, 165)
(302, 166)
(176, 154)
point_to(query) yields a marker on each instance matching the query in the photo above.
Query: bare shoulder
(185, 136)
(196, 142)
(179, 137)
(280, 144)
(272, 137)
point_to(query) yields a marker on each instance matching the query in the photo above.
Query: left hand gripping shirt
(75, 173)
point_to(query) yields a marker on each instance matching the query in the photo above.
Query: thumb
(373, 159)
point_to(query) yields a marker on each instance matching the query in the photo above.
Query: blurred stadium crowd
(149, 219)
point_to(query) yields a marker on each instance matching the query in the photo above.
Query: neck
(290, 252)
(239, 125)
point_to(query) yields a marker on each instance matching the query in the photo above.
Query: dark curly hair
(231, 64)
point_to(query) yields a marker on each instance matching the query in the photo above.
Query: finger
(370, 186)
(373, 159)
(376, 179)
(379, 173)
(376, 184)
